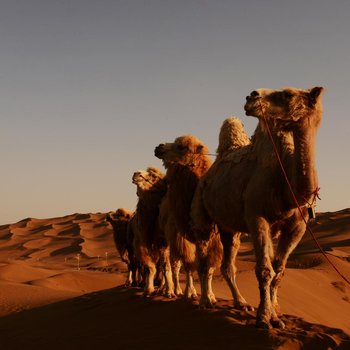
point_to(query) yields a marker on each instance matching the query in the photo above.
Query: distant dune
(61, 287)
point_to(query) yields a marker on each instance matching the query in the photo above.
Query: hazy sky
(89, 88)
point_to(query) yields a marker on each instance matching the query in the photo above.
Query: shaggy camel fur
(186, 160)
(247, 192)
(120, 221)
(232, 137)
(149, 243)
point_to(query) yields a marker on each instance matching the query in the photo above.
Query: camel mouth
(251, 106)
(251, 109)
(159, 152)
(135, 178)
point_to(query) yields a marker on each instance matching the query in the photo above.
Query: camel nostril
(254, 94)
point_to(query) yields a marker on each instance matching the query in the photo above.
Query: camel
(149, 243)
(232, 137)
(246, 191)
(120, 221)
(185, 160)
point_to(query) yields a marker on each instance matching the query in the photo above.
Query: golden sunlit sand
(61, 287)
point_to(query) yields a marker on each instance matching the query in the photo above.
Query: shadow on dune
(121, 318)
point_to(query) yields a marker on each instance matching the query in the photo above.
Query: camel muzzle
(159, 151)
(135, 177)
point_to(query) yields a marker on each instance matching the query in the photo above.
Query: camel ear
(315, 94)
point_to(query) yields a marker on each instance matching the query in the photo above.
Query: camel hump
(232, 136)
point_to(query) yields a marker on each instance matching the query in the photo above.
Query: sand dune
(61, 287)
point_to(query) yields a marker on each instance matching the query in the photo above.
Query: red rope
(296, 200)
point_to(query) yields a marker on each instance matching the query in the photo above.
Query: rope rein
(296, 200)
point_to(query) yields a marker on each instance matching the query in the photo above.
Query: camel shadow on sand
(121, 318)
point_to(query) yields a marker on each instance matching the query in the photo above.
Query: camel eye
(181, 147)
(288, 95)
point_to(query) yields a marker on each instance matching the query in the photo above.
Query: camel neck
(149, 201)
(305, 177)
(296, 149)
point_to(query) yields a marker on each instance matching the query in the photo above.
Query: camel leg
(176, 266)
(141, 275)
(152, 270)
(160, 279)
(162, 285)
(129, 278)
(264, 270)
(190, 290)
(168, 276)
(289, 239)
(205, 275)
(209, 284)
(231, 243)
(205, 300)
(132, 267)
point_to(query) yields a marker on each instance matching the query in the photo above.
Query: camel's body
(120, 221)
(232, 138)
(149, 243)
(186, 161)
(245, 191)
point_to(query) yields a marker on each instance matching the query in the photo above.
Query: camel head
(148, 179)
(121, 214)
(183, 150)
(286, 107)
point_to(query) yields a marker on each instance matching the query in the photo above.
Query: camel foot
(190, 293)
(148, 293)
(170, 294)
(179, 292)
(206, 303)
(162, 290)
(132, 284)
(263, 324)
(213, 299)
(243, 306)
(278, 323)
(192, 296)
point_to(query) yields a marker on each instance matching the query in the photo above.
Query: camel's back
(223, 187)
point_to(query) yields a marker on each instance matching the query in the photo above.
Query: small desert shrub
(305, 262)
(340, 285)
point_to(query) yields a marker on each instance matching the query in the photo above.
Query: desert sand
(61, 287)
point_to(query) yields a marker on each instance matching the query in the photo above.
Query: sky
(89, 88)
